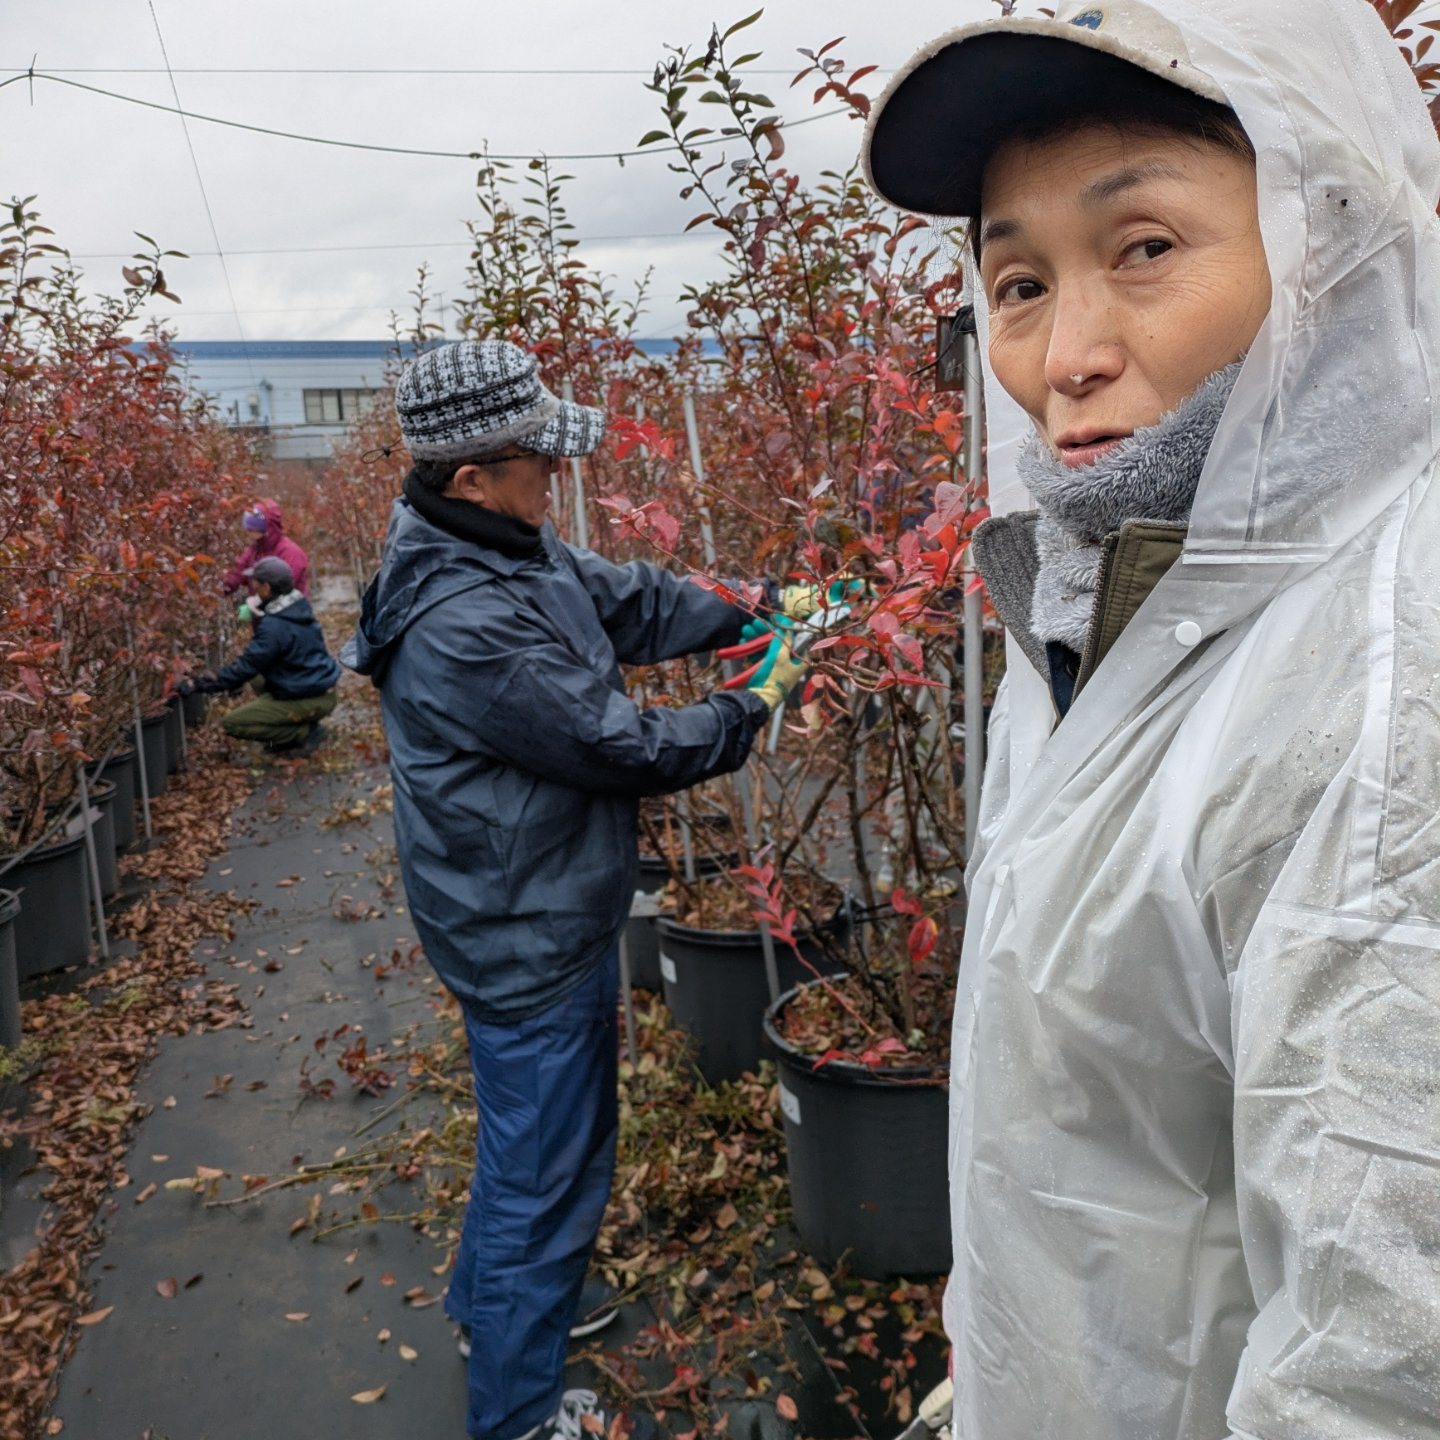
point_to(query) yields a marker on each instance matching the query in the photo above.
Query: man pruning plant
(519, 762)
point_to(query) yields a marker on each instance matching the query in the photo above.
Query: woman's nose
(1084, 345)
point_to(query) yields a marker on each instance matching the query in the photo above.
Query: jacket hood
(291, 606)
(421, 566)
(1332, 416)
(274, 520)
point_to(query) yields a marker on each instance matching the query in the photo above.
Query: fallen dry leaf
(406, 1353)
(785, 1407)
(168, 1288)
(368, 1397)
(383, 1336)
(387, 1278)
(354, 1284)
(146, 1193)
(298, 1315)
(95, 1316)
(54, 1426)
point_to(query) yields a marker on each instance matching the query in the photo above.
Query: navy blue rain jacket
(517, 758)
(287, 651)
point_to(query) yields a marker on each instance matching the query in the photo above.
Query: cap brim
(572, 430)
(943, 115)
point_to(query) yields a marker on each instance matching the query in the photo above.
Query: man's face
(518, 487)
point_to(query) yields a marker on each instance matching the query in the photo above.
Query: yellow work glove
(779, 673)
(800, 602)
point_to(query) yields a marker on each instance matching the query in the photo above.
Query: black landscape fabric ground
(259, 1333)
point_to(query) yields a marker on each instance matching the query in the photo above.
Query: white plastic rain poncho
(1195, 1146)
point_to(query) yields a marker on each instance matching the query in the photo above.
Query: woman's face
(1119, 271)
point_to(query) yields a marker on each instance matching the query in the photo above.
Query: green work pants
(278, 722)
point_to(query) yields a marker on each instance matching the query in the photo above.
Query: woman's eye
(1018, 291)
(1148, 250)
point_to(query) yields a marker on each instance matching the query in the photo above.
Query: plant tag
(667, 969)
(76, 824)
(789, 1105)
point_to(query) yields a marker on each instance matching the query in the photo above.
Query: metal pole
(697, 469)
(139, 738)
(973, 628)
(627, 1001)
(582, 520)
(747, 808)
(687, 844)
(94, 860)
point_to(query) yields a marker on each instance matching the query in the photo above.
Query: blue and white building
(299, 395)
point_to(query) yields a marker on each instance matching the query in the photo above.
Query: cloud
(103, 170)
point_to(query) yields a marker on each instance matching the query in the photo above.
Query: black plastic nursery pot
(9, 973)
(157, 752)
(194, 706)
(52, 929)
(715, 987)
(867, 1152)
(174, 735)
(119, 771)
(642, 937)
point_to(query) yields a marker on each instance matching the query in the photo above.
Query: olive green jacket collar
(1133, 560)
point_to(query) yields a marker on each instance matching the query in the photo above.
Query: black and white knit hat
(479, 397)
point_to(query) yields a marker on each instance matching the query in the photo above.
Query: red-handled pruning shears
(760, 645)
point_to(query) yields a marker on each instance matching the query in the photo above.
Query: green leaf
(742, 24)
(653, 136)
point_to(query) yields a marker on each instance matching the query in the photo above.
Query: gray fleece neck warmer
(1150, 475)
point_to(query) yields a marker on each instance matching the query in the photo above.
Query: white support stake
(90, 853)
(139, 738)
(582, 520)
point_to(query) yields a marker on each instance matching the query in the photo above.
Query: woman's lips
(1076, 456)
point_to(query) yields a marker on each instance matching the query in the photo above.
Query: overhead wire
(398, 245)
(176, 109)
(358, 70)
(200, 181)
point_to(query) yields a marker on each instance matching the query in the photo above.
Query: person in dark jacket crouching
(288, 662)
(518, 763)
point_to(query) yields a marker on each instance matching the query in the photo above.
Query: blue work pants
(545, 1158)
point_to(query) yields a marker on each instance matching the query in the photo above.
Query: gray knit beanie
(478, 397)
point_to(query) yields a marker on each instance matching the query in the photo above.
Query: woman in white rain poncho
(1195, 1146)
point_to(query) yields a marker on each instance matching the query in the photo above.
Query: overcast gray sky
(103, 169)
